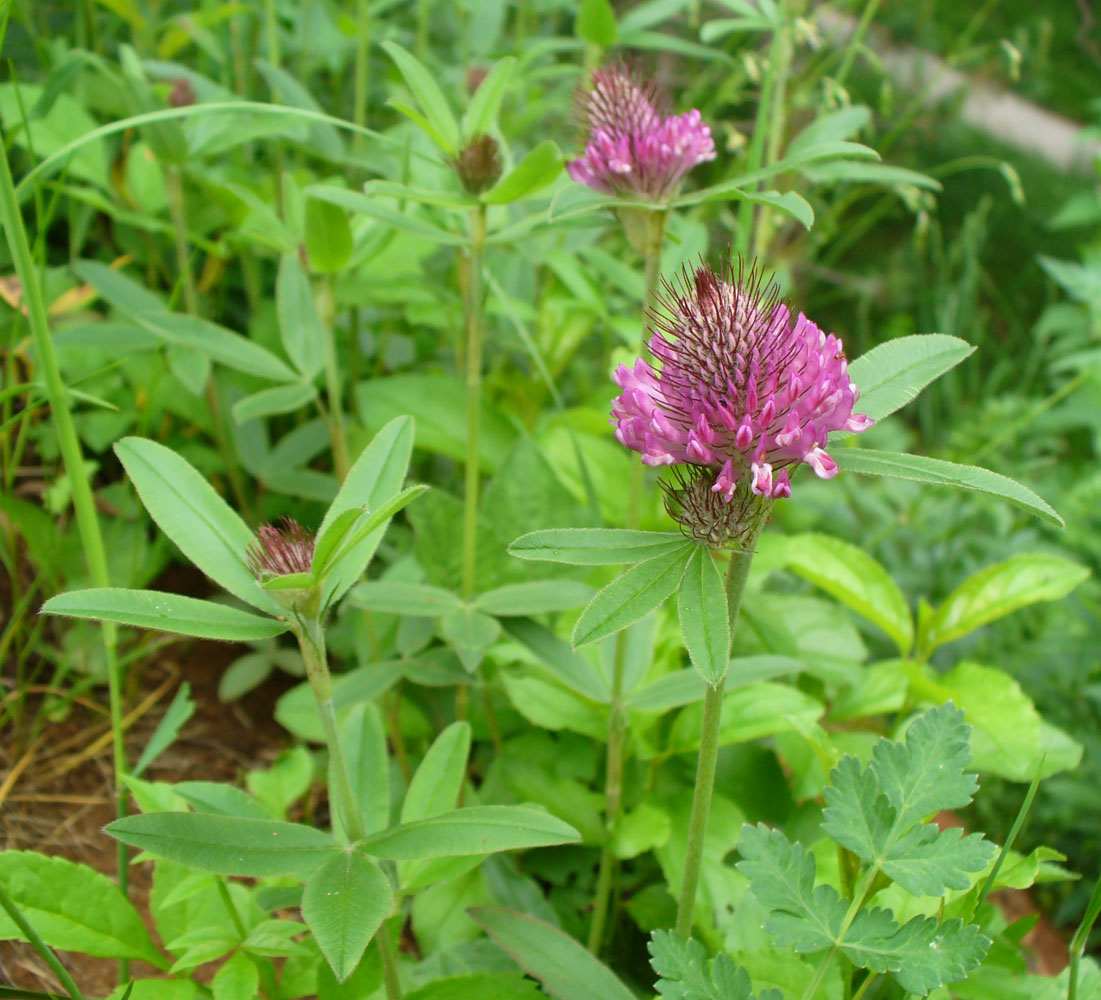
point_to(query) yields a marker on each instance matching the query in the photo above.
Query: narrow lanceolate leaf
(1000, 590)
(854, 578)
(227, 845)
(343, 904)
(274, 400)
(429, 96)
(704, 620)
(561, 659)
(893, 373)
(477, 830)
(73, 907)
(482, 113)
(533, 173)
(439, 777)
(181, 709)
(633, 595)
(186, 508)
(533, 597)
(165, 613)
(395, 597)
(567, 970)
(299, 323)
(594, 546)
(941, 473)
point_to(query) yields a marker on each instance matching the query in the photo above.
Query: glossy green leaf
(428, 94)
(533, 597)
(165, 612)
(533, 173)
(73, 907)
(395, 597)
(632, 595)
(273, 401)
(567, 970)
(227, 845)
(703, 615)
(1000, 590)
(299, 324)
(328, 236)
(186, 508)
(476, 830)
(595, 546)
(892, 374)
(481, 115)
(343, 904)
(940, 473)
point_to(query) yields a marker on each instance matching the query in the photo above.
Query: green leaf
(374, 478)
(181, 709)
(479, 986)
(200, 522)
(343, 904)
(688, 974)
(73, 907)
(428, 95)
(371, 207)
(395, 597)
(471, 633)
(933, 861)
(332, 538)
(227, 845)
(596, 23)
(476, 830)
(215, 797)
(941, 473)
(364, 741)
(439, 777)
(848, 573)
(567, 970)
(328, 236)
(1000, 590)
(704, 619)
(533, 173)
(560, 659)
(892, 374)
(595, 546)
(299, 324)
(856, 172)
(164, 612)
(237, 979)
(632, 596)
(791, 202)
(287, 780)
(533, 597)
(274, 400)
(481, 115)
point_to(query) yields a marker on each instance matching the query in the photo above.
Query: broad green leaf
(688, 974)
(428, 95)
(1002, 589)
(299, 324)
(682, 687)
(560, 659)
(165, 612)
(374, 478)
(533, 173)
(892, 374)
(941, 473)
(596, 23)
(73, 907)
(328, 236)
(363, 738)
(476, 830)
(533, 597)
(395, 597)
(567, 970)
(200, 522)
(237, 979)
(343, 904)
(481, 115)
(273, 401)
(848, 573)
(439, 777)
(704, 619)
(595, 546)
(632, 595)
(181, 709)
(227, 845)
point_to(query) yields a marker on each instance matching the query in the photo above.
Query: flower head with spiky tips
(743, 391)
(281, 551)
(634, 150)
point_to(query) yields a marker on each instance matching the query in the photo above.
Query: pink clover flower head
(632, 149)
(281, 551)
(743, 390)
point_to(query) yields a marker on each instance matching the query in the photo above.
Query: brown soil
(60, 797)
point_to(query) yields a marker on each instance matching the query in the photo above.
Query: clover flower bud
(182, 94)
(742, 391)
(280, 551)
(632, 150)
(478, 164)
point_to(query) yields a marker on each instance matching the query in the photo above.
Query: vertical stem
(389, 962)
(779, 71)
(854, 42)
(39, 945)
(362, 71)
(271, 31)
(473, 394)
(334, 388)
(80, 488)
(617, 714)
(736, 577)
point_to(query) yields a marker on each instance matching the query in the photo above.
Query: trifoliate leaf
(686, 973)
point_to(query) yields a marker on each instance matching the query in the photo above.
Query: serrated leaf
(688, 974)
(928, 861)
(704, 618)
(858, 815)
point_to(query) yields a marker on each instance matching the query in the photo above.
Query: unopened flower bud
(182, 94)
(478, 164)
(280, 558)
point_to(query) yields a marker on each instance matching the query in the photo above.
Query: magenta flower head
(633, 150)
(280, 551)
(743, 393)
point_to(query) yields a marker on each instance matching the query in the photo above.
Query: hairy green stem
(39, 945)
(80, 488)
(334, 388)
(389, 962)
(473, 394)
(649, 229)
